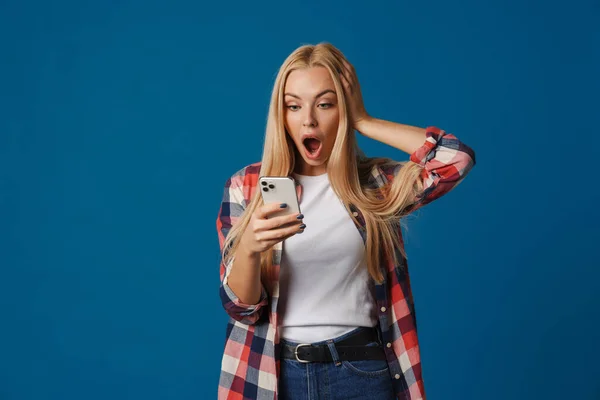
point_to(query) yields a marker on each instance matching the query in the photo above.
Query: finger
(284, 221)
(349, 67)
(346, 73)
(346, 83)
(271, 237)
(350, 73)
(271, 243)
(268, 209)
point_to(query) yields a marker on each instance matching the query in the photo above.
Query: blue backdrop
(121, 121)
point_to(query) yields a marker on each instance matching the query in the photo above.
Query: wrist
(247, 253)
(362, 124)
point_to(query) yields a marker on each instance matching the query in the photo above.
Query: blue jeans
(349, 380)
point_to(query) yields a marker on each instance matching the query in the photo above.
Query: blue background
(121, 121)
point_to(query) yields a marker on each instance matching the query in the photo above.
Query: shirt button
(355, 214)
(383, 309)
(397, 376)
(389, 345)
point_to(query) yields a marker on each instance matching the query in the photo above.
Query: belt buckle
(296, 352)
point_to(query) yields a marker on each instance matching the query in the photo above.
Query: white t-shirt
(325, 289)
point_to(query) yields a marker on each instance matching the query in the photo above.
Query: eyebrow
(316, 97)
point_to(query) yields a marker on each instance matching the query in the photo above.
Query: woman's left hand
(353, 95)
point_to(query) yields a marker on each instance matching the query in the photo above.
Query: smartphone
(280, 189)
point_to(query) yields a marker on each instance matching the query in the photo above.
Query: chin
(315, 163)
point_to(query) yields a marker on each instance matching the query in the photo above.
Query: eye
(291, 107)
(325, 105)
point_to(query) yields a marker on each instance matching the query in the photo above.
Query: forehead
(308, 81)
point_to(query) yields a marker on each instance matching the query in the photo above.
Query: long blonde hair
(382, 208)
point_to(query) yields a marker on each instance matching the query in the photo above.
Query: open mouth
(312, 145)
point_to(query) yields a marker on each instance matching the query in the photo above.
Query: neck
(309, 170)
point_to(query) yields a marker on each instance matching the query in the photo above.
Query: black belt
(352, 348)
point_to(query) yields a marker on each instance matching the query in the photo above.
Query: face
(311, 117)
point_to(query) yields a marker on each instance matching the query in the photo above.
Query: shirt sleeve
(232, 208)
(446, 161)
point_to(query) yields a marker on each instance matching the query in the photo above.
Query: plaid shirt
(250, 363)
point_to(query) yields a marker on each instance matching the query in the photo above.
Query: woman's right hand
(263, 232)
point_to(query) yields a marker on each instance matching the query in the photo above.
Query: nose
(310, 119)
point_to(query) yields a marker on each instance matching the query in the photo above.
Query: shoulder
(246, 176)
(240, 187)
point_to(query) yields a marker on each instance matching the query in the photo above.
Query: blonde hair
(382, 208)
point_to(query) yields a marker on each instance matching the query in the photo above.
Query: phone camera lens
(265, 189)
(264, 183)
(272, 186)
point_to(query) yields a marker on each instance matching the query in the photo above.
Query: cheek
(332, 127)
(291, 122)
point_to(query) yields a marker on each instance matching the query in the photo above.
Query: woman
(327, 313)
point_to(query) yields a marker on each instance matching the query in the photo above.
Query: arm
(444, 159)
(403, 137)
(244, 278)
(242, 292)
(246, 267)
